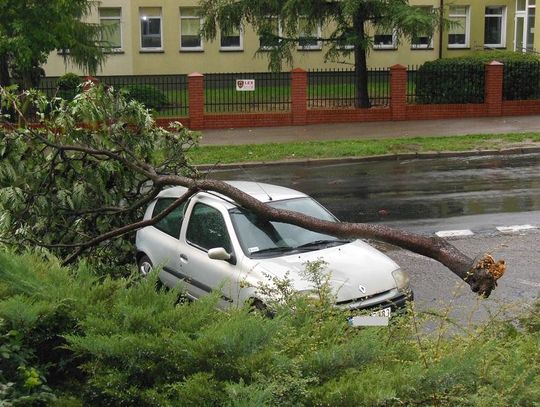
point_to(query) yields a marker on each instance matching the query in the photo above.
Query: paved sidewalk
(348, 131)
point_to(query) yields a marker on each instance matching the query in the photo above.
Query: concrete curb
(384, 157)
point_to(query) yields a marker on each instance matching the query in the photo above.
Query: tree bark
(4, 71)
(360, 64)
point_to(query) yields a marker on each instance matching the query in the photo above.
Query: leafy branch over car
(82, 172)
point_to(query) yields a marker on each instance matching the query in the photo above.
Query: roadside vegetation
(357, 148)
(71, 338)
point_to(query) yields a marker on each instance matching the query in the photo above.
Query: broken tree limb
(481, 274)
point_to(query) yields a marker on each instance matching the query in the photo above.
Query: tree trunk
(360, 64)
(4, 71)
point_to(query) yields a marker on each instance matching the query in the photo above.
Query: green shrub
(68, 85)
(148, 95)
(461, 80)
(135, 346)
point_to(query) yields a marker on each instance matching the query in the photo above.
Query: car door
(207, 229)
(163, 237)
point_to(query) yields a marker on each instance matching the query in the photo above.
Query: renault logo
(362, 288)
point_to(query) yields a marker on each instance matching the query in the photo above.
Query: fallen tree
(83, 172)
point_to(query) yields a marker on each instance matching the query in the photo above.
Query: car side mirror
(219, 253)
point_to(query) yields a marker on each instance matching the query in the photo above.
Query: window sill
(458, 48)
(231, 50)
(114, 51)
(488, 46)
(151, 51)
(422, 48)
(385, 48)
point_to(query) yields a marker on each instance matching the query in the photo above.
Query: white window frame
(392, 46)
(119, 18)
(144, 17)
(502, 17)
(239, 47)
(279, 33)
(314, 47)
(184, 17)
(467, 27)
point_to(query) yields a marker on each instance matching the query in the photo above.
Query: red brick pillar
(299, 81)
(196, 100)
(398, 92)
(493, 96)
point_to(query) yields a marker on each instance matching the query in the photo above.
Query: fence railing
(446, 84)
(272, 92)
(331, 88)
(521, 81)
(165, 94)
(412, 77)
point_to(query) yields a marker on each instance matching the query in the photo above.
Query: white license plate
(376, 318)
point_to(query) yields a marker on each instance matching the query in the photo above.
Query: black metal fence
(271, 92)
(165, 94)
(331, 88)
(450, 83)
(521, 80)
(412, 75)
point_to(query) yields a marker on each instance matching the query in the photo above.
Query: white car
(211, 243)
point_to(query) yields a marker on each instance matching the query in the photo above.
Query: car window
(207, 229)
(171, 223)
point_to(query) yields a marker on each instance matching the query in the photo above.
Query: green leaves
(81, 170)
(140, 346)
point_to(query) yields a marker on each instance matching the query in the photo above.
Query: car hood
(356, 269)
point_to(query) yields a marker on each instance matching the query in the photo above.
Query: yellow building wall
(171, 60)
(477, 13)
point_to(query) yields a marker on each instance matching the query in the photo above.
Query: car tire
(257, 305)
(145, 265)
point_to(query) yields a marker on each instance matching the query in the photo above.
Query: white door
(207, 229)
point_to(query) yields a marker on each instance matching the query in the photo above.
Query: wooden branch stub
(484, 274)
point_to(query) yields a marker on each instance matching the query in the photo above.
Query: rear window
(171, 223)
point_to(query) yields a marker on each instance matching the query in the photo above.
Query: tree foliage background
(347, 27)
(30, 30)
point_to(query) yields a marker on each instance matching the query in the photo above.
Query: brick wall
(299, 113)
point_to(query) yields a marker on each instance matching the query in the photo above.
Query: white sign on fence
(245, 84)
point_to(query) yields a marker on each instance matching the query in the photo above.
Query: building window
(190, 29)
(308, 36)
(151, 28)
(495, 27)
(384, 40)
(423, 40)
(458, 34)
(231, 40)
(111, 37)
(270, 33)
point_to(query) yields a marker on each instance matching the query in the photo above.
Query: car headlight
(402, 279)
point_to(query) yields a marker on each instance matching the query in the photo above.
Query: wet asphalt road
(415, 189)
(435, 194)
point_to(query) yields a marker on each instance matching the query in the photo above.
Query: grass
(355, 148)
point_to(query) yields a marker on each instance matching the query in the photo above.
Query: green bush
(130, 345)
(68, 85)
(461, 80)
(148, 95)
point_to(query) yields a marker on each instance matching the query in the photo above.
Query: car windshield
(262, 238)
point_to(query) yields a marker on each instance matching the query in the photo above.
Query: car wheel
(260, 307)
(145, 265)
